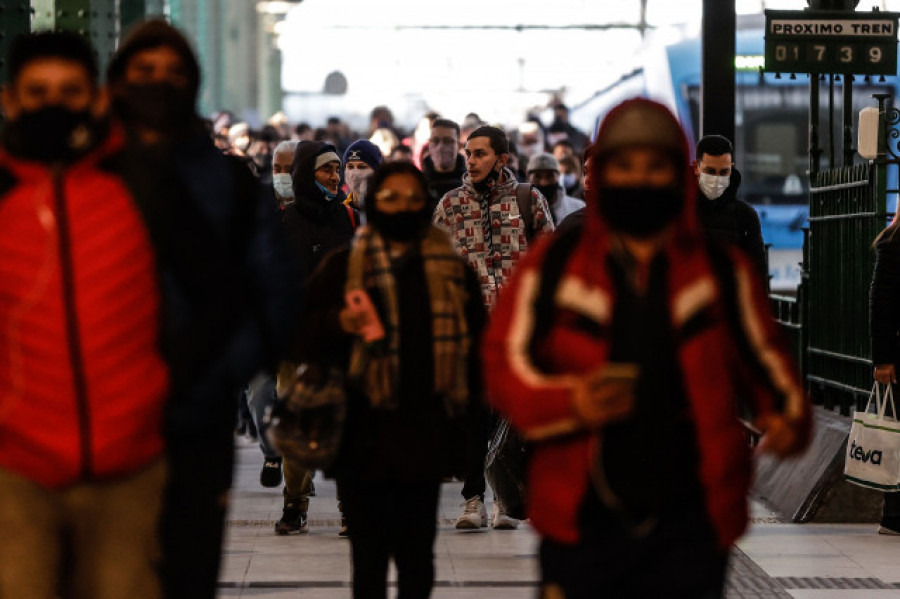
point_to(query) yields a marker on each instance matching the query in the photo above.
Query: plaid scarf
(377, 366)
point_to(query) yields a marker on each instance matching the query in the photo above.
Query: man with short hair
(82, 393)
(725, 217)
(226, 281)
(444, 166)
(543, 173)
(492, 220)
(562, 129)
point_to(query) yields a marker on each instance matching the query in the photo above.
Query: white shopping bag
(872, 458)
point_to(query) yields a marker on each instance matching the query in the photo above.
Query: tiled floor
(785, 560)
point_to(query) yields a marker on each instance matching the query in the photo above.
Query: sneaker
(344, 531)
(474, 514)
(500, 520)
(270, 476)
(293, 521)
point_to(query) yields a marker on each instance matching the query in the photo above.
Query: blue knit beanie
(364, 150)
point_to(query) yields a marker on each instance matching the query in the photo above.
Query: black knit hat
(154, 34)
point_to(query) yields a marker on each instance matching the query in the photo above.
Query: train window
(771, 149)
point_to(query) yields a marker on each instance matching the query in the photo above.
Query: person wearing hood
(723, 216)
(415, 388)
(226, 282)
(487, 227)
(543, 172)
(317, 221)
(361, 159)
(624, 350)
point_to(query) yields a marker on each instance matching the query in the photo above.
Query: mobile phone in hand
(359, 303)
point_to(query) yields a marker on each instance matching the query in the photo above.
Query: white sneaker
(474, 514)
(500, 520)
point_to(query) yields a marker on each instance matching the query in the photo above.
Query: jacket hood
(507, 186)
(641, 123)
(308, 198)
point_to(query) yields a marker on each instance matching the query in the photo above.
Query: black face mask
(401, 226)
(52, 134)
(548, 191)
(489, 180)
(159, 106)
(640, 211)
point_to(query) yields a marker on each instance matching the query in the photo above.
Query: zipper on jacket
(73, 336)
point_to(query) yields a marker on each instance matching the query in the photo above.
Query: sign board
(828, 41)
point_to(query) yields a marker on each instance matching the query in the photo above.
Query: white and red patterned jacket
(488, 230)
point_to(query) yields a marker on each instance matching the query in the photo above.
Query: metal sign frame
(827, 41)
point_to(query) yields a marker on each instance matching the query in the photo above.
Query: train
(771, 125)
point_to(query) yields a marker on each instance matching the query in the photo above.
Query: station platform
(773, 560)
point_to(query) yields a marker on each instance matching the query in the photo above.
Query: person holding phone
(401, 314)
(623, 349)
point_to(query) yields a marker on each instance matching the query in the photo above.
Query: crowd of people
(158, 265)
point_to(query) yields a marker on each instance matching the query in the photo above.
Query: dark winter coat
(440, 183)
(884, 302)
(315, 225)
(730, 220)
(417, 441)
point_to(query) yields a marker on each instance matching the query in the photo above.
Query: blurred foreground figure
(413, 392)
(225, 282)
(82, 378)
(624, 349)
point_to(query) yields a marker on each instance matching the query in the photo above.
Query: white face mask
(567, 180)
(356, 180)
(713, 186)
(282, 183)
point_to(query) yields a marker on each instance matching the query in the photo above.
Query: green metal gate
(846, 213)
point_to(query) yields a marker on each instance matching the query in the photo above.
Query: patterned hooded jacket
(488, 230)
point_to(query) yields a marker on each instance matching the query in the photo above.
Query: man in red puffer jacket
(82, 378)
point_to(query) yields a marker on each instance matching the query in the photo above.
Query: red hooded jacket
(82, 381)
(539, 402)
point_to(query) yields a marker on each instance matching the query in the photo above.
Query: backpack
(523, 199)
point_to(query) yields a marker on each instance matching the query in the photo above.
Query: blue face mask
(328, 195)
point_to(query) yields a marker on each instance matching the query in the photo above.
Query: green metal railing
(846, 213)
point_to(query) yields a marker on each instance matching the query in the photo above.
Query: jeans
(261, 395)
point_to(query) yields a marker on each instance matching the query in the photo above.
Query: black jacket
(315, 225)
(730, 220)
(417, 441)
(884, 301)
(440, 183)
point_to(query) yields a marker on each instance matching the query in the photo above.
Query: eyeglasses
(447, 141)
(389, 196)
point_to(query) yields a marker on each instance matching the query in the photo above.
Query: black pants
(678, 560)
(194, 515)
(391, 519)
(891, 510)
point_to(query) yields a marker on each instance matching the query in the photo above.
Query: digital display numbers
(831, 42)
